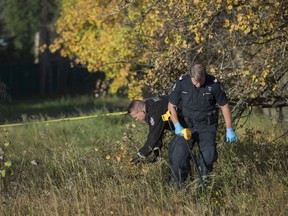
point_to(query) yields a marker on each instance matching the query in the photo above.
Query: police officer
(150, 111)
(200, 94)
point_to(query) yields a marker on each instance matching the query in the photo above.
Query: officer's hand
(178, 129)
(230, 135)
(187, 133)
(136, 160)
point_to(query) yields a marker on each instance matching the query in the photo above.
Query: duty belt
(192, 122)
(212, 118)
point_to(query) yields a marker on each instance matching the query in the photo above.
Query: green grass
(82, 168)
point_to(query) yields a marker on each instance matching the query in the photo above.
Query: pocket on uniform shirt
(185, 97)
(208, 98)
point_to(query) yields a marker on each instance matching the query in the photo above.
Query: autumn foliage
(146, 45)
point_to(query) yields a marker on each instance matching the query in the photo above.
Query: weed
(83, 168)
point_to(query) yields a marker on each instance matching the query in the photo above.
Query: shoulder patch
(215, 80)
(174, 86)
(152, 122)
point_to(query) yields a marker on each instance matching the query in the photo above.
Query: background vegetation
(82, 168)
(141, 44)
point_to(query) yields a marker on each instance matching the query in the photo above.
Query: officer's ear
(143, 110)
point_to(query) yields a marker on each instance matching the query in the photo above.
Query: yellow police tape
(64, 119)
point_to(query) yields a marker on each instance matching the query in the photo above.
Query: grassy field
(82, 167)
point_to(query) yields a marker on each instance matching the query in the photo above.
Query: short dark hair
(198, 72)
(136, 105)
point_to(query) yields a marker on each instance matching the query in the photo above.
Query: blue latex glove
(178, 129)
(230, 135)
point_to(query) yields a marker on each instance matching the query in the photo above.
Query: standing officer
(200, 93)
(150, 111)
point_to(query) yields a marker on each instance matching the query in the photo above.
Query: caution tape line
(64, 119)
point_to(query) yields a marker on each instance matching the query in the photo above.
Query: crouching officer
(150, 111)
(200, 94)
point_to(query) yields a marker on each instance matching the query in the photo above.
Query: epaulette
(185, 76)
(211, 78)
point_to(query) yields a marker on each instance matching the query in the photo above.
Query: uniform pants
(179, 160)
(180, 153)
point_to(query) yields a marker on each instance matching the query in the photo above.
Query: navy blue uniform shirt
(155, 107)
(197, 102)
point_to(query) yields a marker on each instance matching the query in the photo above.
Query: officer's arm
(227, 115)
(173, 112)
(230, 134)
(156, 131)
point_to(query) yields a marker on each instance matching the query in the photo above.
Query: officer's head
(137, 110)
(198, 74)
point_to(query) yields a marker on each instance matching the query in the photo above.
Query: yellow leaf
(247, 30)
(3, 173)
(246, 72)
(205, 21)
(227, 23)
(108, 157)
(230, 7)
(239, 18)
(253, 77)
(6, 144)
(184, 45)
(7, 164)
(118, 158)
(197, 39)
(271, 26)
(166, 40)
(265, 73)
(33, 162)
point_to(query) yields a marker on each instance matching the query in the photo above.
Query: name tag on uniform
(184, 92)
(208, 93)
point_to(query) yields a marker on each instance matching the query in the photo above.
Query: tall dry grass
(82, 168)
